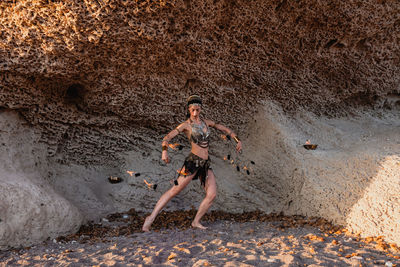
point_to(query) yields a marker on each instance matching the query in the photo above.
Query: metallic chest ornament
(200, 134)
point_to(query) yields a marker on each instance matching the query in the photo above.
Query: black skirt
(195, 164)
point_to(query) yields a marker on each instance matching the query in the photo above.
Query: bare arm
(226, 130)
(168, 137)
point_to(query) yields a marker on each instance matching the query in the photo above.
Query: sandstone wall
(100, 83)
(30, 209)
(113, 71)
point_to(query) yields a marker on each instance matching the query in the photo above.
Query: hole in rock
(392, 101)
(330, 43)
(362, 99)
(75, 93)
(339, 45)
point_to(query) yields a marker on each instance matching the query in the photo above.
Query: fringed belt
(195, 164)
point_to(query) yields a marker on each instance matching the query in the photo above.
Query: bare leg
(211, 193)
(165, 198)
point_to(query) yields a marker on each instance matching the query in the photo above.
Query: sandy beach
(248, 239)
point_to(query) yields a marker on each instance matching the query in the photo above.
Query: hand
(164, 156)
(239, 147)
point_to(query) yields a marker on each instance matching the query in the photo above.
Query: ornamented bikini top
(200, 134)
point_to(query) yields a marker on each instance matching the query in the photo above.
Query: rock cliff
(100, 83)
(116, 70)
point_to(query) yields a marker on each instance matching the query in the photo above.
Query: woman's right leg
(183, 181)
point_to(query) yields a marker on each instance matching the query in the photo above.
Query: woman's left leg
(211, 193)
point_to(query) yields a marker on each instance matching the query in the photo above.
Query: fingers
(166, 160)
(164, 157)
(238, 147)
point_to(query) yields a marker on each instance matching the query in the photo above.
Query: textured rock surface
(352, 177)
(111, 71)
(377, 212)
(30, 209)
(100, 82)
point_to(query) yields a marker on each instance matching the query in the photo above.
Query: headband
(194, 99)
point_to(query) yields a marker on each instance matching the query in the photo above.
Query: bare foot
(198, 225)
(147, 223)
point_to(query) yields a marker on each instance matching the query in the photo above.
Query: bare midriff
(199, 151)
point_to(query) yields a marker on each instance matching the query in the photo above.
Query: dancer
(197, 164)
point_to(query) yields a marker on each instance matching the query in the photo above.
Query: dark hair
(193, 99)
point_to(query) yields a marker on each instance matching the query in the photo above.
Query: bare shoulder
(183, 126)
(209, 122)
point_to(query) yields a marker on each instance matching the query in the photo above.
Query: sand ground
(233, 241)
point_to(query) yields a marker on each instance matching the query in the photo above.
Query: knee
(211, 196)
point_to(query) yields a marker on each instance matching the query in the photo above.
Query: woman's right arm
(181, 127)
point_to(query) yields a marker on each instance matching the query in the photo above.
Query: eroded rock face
(30, 210)
(114, 71)
(95, 79)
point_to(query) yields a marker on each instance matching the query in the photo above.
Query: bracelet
(164, 148)
(236, 139)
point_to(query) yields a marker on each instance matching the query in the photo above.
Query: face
(194, 111)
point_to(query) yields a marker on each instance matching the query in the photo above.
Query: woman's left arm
(227, 131)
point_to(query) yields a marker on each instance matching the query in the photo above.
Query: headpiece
(194, 99)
